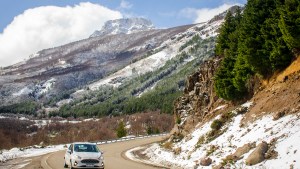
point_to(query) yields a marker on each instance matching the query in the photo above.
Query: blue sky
(28, 26)
(163, 13)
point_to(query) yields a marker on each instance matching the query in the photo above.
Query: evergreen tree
(251, 40)
(226, 29)
(121, 131)
(289, 23)
(224, 80)
(224, 77)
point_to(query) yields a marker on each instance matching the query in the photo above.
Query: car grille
(89, 161)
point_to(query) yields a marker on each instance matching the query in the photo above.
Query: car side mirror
(69, 151)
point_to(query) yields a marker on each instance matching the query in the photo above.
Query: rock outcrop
(198, 99)
(124, 25)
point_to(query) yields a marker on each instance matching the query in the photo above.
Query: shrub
(121, 131)
(178, 120)
(201, 140)
(225, 117)
(168, 145)
(213, 134)
(211, 150)
(216, 124)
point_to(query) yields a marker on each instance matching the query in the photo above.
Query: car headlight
(77, 157)
(100, 158)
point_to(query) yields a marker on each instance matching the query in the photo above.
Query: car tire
(65, 165)
(71, 165)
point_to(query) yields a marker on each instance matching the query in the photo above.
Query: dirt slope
(280, 95)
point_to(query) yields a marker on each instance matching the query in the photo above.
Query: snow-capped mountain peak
(124, 25)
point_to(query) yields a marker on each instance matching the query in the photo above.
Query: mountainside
(214, 133)
(124, 25)
(81, 77)
(76, 64)
(241, 109)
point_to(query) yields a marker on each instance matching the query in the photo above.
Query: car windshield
(85, 148)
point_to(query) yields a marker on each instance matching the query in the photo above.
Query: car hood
(87, 155)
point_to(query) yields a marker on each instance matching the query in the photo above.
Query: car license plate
(90, 165)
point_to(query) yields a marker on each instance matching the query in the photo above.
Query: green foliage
(216, 124)
(227, 46)
(27, 107)
(224, 81)
(121, 131)
(193, 41)
(222, 40)
(289, 22)
(149, 131)
(213, 134)
(201, 141)
(226, 117)
(259, 41)
(178, 120)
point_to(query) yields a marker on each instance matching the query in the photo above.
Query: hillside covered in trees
(257, 42)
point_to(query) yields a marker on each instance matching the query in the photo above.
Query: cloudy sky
(28, 26)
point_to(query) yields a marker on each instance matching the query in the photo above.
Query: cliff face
(198, 100)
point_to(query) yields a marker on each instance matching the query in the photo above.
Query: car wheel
(65, 166)
(71, 165)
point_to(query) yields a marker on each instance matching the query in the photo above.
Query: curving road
(112, 155)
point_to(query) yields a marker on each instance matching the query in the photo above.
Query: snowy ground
(44, 122)
(285, 129)
(33, 151)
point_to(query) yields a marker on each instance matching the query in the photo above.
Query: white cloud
(125, 5)
(50, 26)
(204, 14)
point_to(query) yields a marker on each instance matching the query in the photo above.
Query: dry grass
(279, 93)
(168, 145)
(294, 67)
(22, 133)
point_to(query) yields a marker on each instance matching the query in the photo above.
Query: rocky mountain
(78, 63)
(88, 71)
(124, 25)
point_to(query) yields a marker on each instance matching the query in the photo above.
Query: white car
(84, 155)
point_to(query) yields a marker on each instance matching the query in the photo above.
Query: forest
(257, 41)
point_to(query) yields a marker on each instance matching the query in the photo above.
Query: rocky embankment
(198, 100)
(212, 133)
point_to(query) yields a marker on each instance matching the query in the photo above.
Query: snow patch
(286, 129)
(140, 67)
(28, 152)
(23, 91)
(45, 87)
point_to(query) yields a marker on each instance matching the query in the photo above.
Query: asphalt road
(113, 155)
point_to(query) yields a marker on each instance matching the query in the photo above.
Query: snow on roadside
(41, 123)
(13, 153)
(285, 129)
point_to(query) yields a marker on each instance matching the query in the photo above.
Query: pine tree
(227, 47)
(226, 29)
(224, 80)
(289, 23)
(121, 131)
(251, 39)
